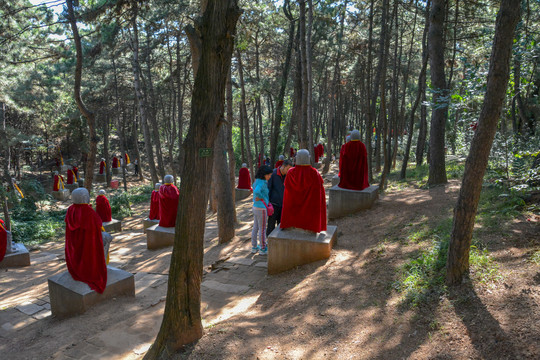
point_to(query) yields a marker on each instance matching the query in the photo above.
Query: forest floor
(346, 307)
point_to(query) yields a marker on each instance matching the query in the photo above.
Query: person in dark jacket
(276, 187)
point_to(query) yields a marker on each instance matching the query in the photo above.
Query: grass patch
(33, 227)
(535, 257)
(121, 202)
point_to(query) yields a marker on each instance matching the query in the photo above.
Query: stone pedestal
(116, 171)
(113, 226)
(70, 297)
(100, 178)
(148, 223)
(130, 167)
(241, 194)
(20, 257)
(343, 202)
(292, 247)
(159, 237)
(81, 182)
(335, 180)
(72, 187)
(61, 195)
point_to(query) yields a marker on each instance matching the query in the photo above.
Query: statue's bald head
(80, 196)
(302, 157)
(355, 135)
(168, 179)
(102, 192)
(157, 186)
(244, 165)
(281, 157)
(348, 138)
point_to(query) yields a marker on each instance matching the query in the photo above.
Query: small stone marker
(61, 195)
(159, 237)
(100, 178)
(241, 194)
(113, 226)
(293, 247)
(343, 202)
(70, 297)
(19, 257)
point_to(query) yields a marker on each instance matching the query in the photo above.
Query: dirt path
(342, 308)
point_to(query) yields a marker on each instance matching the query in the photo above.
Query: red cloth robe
(278, 163)
(154, 206)
(291, 152)
(320, 147)
(304, 201)
(354, 166)
(126, 158)
(103, 208)
(58, 183)
(102, 167)
(3, 240)
(244, 179)
(168, 205)
(115, 162)
(316, 153)
(70, 176)
(76, 171)
(85, 258)
(340, 157)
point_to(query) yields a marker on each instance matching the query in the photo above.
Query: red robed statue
(71, 177)
(341, 153)
(154, 203)
(58, 183)
(103, 207)
(115, 162)
(316, 153)
(76, 171)
(3, 239)
(280, 161)
(85, 256)
(353, 164)
(102, 166)
(304, 201)
(168, 202)
(244, 178)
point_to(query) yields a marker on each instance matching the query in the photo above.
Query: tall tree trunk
(140, 101)
(465, 212)
(106, 155)
(89, 115)
(182, 318)
(230, 149)
(243, 113)
(222, 185)
(120, 123)
(439, 113)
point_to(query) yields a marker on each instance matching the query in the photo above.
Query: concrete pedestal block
(335, 180)
(61, 195)
(116, 171)
(113, 226)
(70, 297)
(81, 182)
(343, 202)
(20, 257)
(241, 194)
(148, 223)
(292, 247)
(100, 178)
(159, 237)
(72, 187)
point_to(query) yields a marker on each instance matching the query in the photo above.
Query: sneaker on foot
(263, 251)
(254, 250)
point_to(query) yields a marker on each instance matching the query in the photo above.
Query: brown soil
(341, 308)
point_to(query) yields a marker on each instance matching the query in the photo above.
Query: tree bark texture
(182, 318)
(457, 265)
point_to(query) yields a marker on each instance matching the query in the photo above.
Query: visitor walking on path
(260, 200)
(276, 187)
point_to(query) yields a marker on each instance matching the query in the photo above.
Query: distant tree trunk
(439, 114)
(140, 101)
(230, 149)
(369, 100)
(465, 212)
(4, 147)
(222, 185)
(106, 154)
(89, 115)
(182, 318)
(120, 123)
(243, 114)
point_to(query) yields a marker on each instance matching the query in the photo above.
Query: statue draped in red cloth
(71, 177)
(244, 178)
(353, 164)
(320, 149)
(58, 183)
(154, 203)
(3, 240)
(103, 207)
(280, 161)
(102, 166)
(341, 154)
(85, 256)
(76, 171)
(304, 201)
(115, 162)
(168, 202)
(316, 153)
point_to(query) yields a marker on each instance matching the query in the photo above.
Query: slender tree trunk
(465, 212)
(120, 123)
(439, 114)
(182, 318)
(230, 149)
(243, 113)
(225, 201)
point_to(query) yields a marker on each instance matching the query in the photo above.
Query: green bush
(120, 206)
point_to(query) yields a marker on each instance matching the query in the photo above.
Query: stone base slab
(61, 195)
(113, 226)
(100, 178)
(116, 171)
(72, 187)
(20, 257)
(292, 247)
(241, 194)
(335, 180)
(148, 223)
(69, 297)
(342, 202)
(159, 237)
